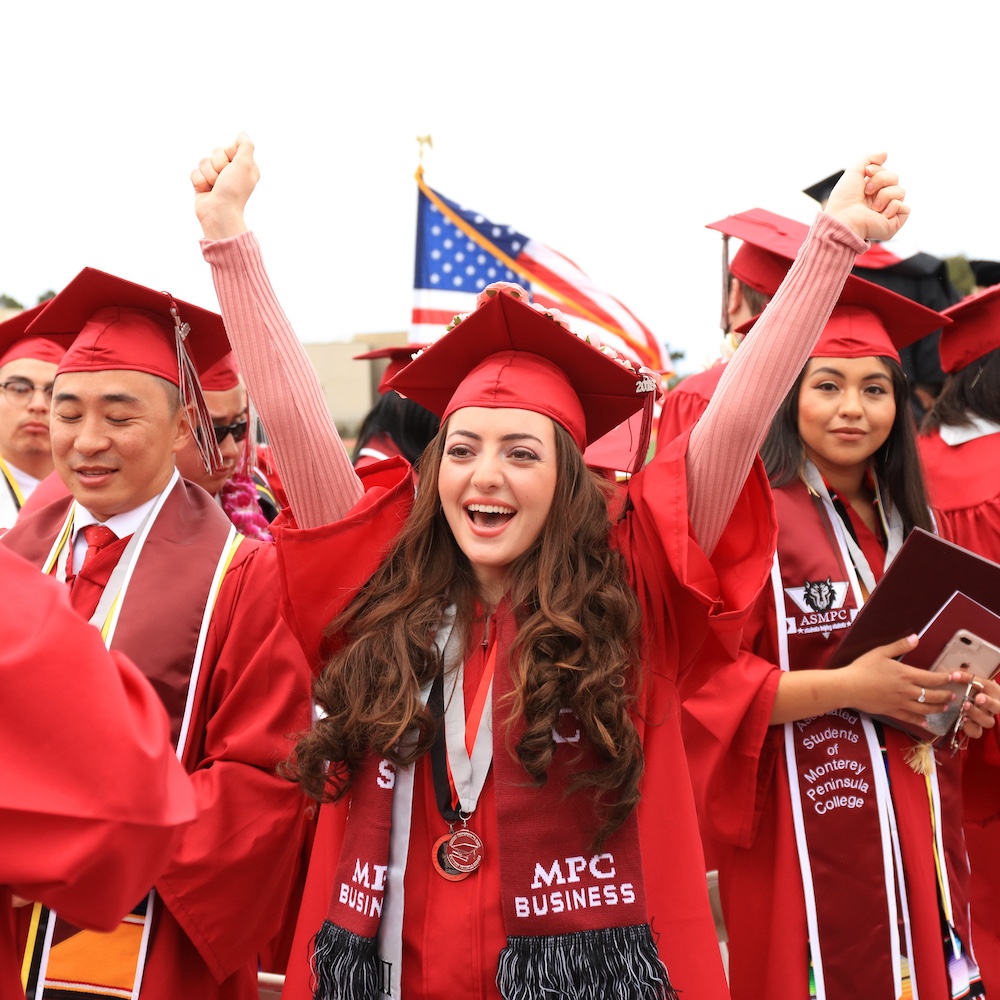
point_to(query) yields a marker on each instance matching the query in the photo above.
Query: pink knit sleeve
(756, 380)
(314, 466)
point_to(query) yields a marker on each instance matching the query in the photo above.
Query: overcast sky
(610, 133)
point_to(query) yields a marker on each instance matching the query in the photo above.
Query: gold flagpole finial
(424, 140)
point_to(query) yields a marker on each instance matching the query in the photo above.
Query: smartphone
(963, 651)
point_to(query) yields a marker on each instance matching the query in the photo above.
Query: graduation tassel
(193, 399)
(921, 758)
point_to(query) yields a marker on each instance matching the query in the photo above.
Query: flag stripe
(460, 252)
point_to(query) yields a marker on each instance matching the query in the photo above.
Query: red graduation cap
(871, 321)
(122, 325)
(508, 354)
(16, 344)
(770, 243)
(399, 356)
(974, 330)
(222, 376)
(125, 326)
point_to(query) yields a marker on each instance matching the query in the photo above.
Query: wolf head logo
(819, 595)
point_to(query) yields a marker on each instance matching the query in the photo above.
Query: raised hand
(223, 183)
(869, 199)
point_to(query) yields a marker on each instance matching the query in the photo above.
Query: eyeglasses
(238, 431)
(18, 391)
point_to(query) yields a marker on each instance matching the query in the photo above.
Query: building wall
(349, 386)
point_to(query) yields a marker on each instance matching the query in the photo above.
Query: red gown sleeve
(731, 745)
(688, 597)
(323, 568)
(92, 798)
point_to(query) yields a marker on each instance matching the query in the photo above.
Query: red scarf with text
(850, 852)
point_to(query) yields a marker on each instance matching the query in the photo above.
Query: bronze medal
(439, 857)
(464, 850)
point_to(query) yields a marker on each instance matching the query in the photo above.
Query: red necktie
(97, 535)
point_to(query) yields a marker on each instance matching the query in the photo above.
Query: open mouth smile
(489, 515)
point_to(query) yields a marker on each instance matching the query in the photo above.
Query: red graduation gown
(741, 787)
(685, 403)
(453, 932)
(91, 806)
(223, 892)
(964, 486)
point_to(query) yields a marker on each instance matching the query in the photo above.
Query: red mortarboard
(399, 357)
(974, 330)
(127, 327)
(763, 230)
(871, 321)
(15, 344)
(122, 325)
(508, 354)
(222, 376)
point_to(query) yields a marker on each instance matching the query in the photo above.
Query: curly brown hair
(578, 624)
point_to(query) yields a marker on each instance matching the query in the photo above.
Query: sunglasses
(222, 431)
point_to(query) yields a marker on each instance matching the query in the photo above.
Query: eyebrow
(837, 371)
(505, 438)
(108, 397)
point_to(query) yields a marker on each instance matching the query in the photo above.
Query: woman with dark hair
(394, 425)
(512, 809)
(842, 870)
(959, 446)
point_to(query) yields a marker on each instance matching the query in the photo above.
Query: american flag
(460, 252)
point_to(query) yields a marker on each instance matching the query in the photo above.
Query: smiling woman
(500, 659)
(841, 458)
(496, 482)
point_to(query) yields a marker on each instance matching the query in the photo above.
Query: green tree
(6, 302)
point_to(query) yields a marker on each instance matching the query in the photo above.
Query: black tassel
(344, 966)
(620, 963)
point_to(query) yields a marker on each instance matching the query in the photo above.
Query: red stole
(854, 841)
(161, 617)
(835, 771)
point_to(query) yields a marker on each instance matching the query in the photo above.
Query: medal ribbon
(469, 740)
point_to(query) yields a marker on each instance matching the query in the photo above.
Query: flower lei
(239, 500)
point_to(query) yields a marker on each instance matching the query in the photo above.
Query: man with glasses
(240, 488)
(27, 367)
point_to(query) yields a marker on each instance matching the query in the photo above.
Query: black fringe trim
(620, 963)
(344, 966)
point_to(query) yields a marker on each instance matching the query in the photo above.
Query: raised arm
(315, 468)
(866, 204)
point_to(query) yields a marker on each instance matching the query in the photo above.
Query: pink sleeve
(315, 469)
(724, 442)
